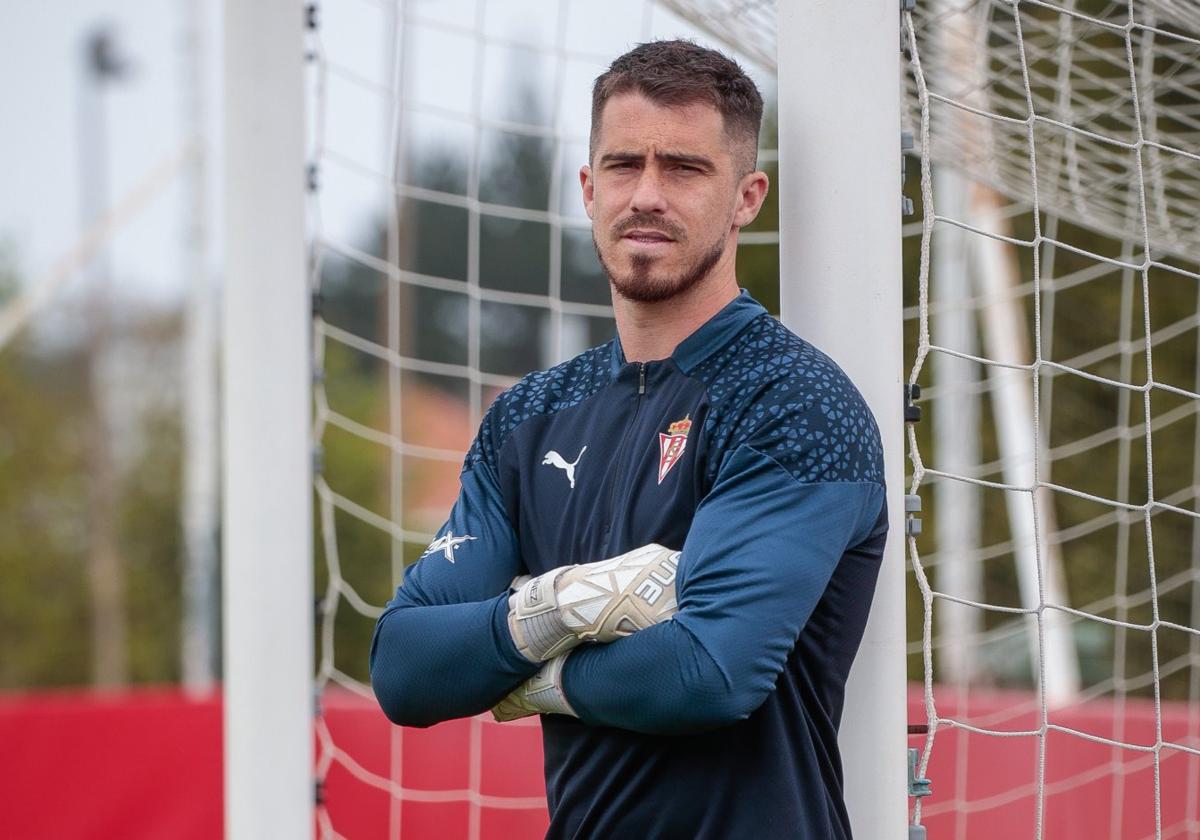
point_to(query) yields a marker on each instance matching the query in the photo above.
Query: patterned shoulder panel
(540, 392)
(772, 389)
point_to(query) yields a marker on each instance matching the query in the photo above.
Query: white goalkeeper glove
(541, 694)
(599, 602)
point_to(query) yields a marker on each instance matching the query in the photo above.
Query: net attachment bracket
(912, 411)
(906, 146)
(917, 786)
(908, 5)
(912, 522)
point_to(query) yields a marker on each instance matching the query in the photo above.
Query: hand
(599, 602)
(541, 694)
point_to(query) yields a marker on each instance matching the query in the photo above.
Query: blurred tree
(44, 601)
(1081, 319)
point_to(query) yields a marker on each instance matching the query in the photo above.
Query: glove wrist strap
(544, 689)
(537, 627)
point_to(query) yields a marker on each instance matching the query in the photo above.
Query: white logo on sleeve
(555, 460)
(446, 544)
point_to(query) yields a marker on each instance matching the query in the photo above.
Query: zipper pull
(641, 378)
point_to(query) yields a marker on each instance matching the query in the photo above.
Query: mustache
(646, 221)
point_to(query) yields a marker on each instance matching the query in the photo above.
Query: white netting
(1054, 297)
(1057, 265)
(452, 255)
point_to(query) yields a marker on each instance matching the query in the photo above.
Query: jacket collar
(710, 337)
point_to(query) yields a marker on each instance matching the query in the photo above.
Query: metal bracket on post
(906, 145)
(917, 786)
(906, 7)
(912, 412)
(312, 22)
(912, 522)
(912, 504)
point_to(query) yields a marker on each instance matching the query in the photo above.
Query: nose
(648, 195)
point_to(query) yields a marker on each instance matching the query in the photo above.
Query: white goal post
(266, 383)
(840, 288)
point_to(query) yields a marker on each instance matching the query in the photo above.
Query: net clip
(908, 5)
(917, 786)
(912, 522)
(912, 412)
(906, 145)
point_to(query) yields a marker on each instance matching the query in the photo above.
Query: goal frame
(266, 411)
(267, 552)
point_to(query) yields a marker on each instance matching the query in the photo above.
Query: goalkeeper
(668, 545)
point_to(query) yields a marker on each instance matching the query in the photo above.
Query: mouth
(647, 237)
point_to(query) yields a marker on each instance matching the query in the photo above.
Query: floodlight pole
(267, 504)
(840, 267)
(200, 491)
(104, 65)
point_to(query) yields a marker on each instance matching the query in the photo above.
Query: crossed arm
(759, 554)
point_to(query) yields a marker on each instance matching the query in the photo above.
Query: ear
(751, 192)
(589, 189)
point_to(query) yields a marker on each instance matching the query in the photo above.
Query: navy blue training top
(753, 453)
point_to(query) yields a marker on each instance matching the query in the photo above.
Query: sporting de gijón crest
(671, 444)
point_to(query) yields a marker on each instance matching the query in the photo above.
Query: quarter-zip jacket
(753, 453)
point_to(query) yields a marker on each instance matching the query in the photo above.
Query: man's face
(664, 195)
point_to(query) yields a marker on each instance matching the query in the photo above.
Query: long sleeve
(442, 648)
(761, 550)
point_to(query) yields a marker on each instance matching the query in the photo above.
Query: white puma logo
(555, 460)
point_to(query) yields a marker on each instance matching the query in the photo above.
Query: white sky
(41, 66)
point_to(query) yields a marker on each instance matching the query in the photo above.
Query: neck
(652, 331)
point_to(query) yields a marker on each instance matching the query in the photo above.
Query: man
(700, 500)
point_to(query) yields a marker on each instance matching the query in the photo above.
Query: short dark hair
(682, 72)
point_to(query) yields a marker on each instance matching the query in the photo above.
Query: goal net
(1055, 607)
(1053, 323)
(451, 255)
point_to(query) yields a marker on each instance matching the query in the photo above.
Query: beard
(642, 284)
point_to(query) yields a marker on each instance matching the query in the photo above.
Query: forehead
(631, 122)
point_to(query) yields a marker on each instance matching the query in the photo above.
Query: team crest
(671, 445)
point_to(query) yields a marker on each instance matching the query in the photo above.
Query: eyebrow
(662, 157)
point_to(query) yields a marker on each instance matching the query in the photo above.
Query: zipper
(621, 455)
